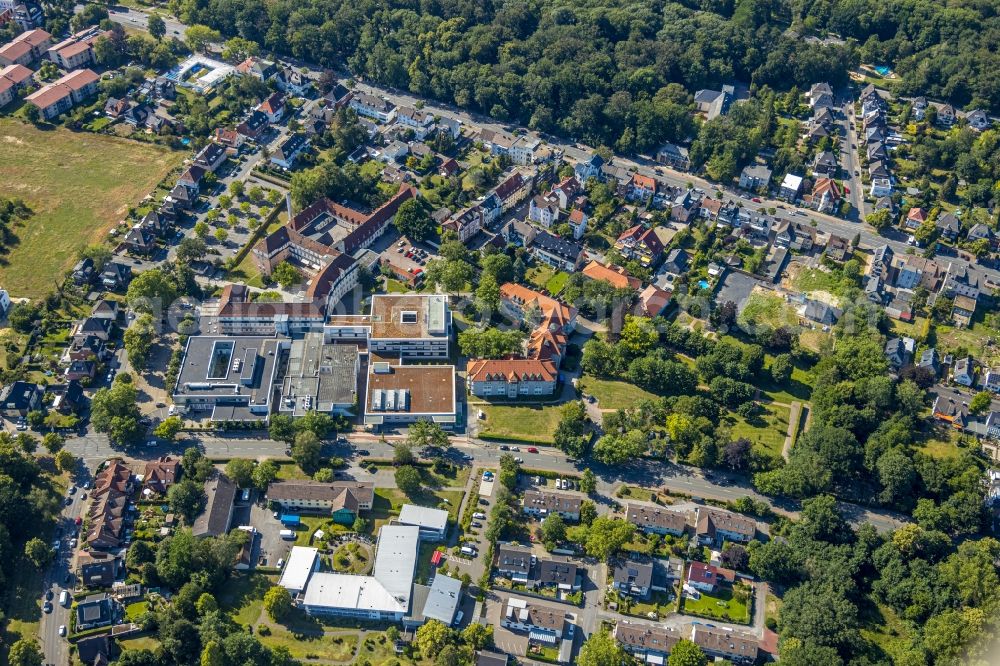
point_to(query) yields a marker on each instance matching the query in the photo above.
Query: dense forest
(620, 73)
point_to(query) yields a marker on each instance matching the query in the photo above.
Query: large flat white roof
(396, 560)
(338, 590)
(424, 516)
(443, 599)
(298, 568)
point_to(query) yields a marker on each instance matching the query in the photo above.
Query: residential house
(991, 382)
(13, 78)
(980, 231)
(160, 474)
(211, 157)
(487, 658)
(373, 107)
(83, 272)
(825, 164)
(641, 187)
(820, 96)
(557, 572)
(673, 156)
(543, 211)
(915, 217)
(466, 223)
(946, 115)
(421, 122)
(707, 577)
(755, 177)
(929, 360)
(978, 120)
(543, 623)
(652, 301)
(541, 503)
(656, 519)
(826, 195)
(948, 226)
(791, 187)
(77, 50)
(18, 398)
(289, 150)
(116, 276)
(838, 248)
(258, 68)
(963, 371)
(98, 569)
(590, 168)
(616, 276)
(676, 263)
(716, 526)
(821, 313)
(230, 138)
(518, 302)
(913, 271)
(338, 97)
(577, 222)
(724, 643)
(140, 240)
(293, 81)
(899, 351)
(640, 244)
(559, 253)
(515, 562)
(97, 610)
(632, 577)
(80, 370)
(881, 187)
(218, 513)
(919, 107)
(255, 124)
(648, 643)
(962, 311)
(714, 103)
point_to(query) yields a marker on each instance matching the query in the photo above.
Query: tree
(489, 343)
(191, 249)
(33, 116)
(38, 553)
(736, 454)
(450, 275)
(221, 235)
(264, 474)
(488, 294)
(607, 535)
(413, 221)
(318, 424)
(980, 403)
(686, 653)
(553, 531)
(25, 652)
(478, 636)
(186, 498)
(307, 452)
(201, 230)
(433, 637)
(781, 368)
(212, 654)
(240, 470)
(115, 411)
(402, 454)
(53, 442)
(277, 603)
(600, 649)
(139, 339)
(588, 481)
(168, 428)
(408, 480)
(99, 254)
(573, 433)
(198, 37)
(588, 512)
(157, 26)
(239, 49)
(427, 434)
(151, 291)
(880, 219)
(286, 275)
(65, 461)
(282, 428)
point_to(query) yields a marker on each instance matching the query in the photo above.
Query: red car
(79, 520)
(532, 449)
(756, 200)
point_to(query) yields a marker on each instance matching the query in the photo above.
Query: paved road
(55, 648)
(94, 448)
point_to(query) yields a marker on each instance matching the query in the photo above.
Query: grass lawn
(767, 309)
(798, 387)
(337, 647)
(243, 597)
(612, 394)
(540, 275)
(288, 471)
(660, 603)
(79, 185)
(636, 493)
(942, 443)
(889, 632)
(767, 431)
(722, 605)
(134, 611)
(556, 283)
(352, 558)
(548, 653)
(530, 423)
(147, 642)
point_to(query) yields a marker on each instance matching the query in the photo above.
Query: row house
(650, 644)
(714, 526)
(78, 50)
(656, 519)
(633, 577)
(542, 503)
(673, 156)
(559, 253)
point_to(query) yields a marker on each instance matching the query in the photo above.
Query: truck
(287, 534)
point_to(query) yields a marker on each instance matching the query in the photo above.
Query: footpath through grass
(79, 185)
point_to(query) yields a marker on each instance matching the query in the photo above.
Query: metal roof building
(301, 564)
(433, 523)
(443, 599)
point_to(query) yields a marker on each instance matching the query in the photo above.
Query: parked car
(532, 449)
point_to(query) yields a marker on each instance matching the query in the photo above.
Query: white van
(479, 515)
(64, 598)
(468, 550)
(287, 534)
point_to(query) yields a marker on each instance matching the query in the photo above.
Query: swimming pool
(702, 284)
(882, 70)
